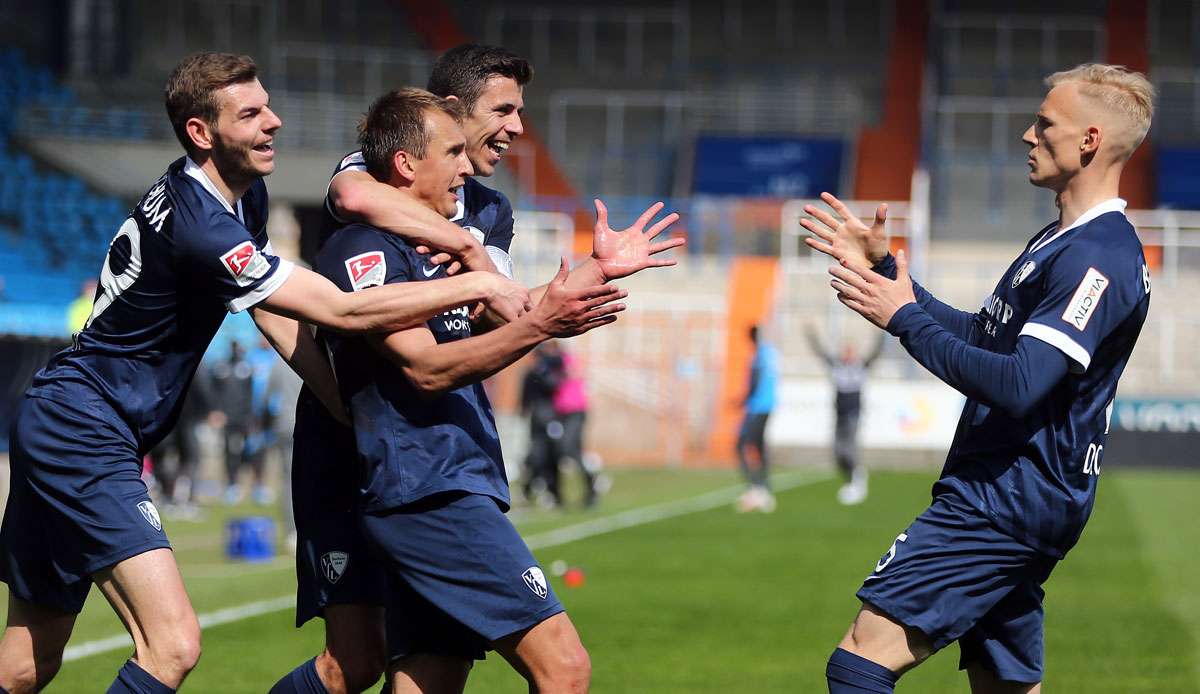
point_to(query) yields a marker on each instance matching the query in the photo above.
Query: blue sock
(848, 673)
(302, 680)
(132, 679)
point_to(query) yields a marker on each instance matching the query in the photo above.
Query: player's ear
(402, 164)
(1091, 140)
(452, 98)
(200, 133)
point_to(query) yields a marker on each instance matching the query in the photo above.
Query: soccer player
(460, 580)
(1039, 365)
(335, 579)
(752, 437)
(849, 373)
(194, 248)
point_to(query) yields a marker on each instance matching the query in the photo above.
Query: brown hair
(396, 122)
(463, 71)
(191, 89)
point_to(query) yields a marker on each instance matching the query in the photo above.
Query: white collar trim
(191, 169)
(1110, 205)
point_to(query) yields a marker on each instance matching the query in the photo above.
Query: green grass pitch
(713, 601)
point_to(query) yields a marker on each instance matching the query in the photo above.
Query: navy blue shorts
(955, 577)
(459, 576)
(77, 502)
(334, 564)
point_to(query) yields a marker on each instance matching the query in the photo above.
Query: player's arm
(957, 321)
(436, 368)
(1014, 382)
(357, 196)
(295, 343)
(309, 297)
(814, 343)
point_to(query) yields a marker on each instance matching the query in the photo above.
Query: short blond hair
(1126, 92)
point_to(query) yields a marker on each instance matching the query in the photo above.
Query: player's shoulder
(478, 196)
(1109, 239)
(360, 235)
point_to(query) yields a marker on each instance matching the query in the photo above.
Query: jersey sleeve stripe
(501, 259)
(1060, 341)
(262, 291)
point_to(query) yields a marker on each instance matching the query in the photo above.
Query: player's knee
(175, 654)
(569, 671)
(33, 674)
(359, 671)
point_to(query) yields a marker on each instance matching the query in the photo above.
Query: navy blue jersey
(483, 212)
(1085, 290)
(182, 259)
(412, 445)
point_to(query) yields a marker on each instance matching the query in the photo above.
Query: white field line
(551, 538)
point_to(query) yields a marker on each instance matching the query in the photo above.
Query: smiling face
(436, 178)
(243, 137)
(494, 123)
(1061, 141)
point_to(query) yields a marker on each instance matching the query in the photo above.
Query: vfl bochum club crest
(333, 565)
(1025, 271)
(150, 514)
(535, 580)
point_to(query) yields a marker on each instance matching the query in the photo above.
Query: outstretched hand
(565, 312)
(622, 253)
(847, 238)
(870, 294)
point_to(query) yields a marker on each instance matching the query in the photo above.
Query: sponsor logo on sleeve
(1086, 299)
(245, 263)
(353, 160)
(366, 270)
(150, 514)
(333, 565)
(535, 581)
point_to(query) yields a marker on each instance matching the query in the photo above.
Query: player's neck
(229, 187)
(1084, 192)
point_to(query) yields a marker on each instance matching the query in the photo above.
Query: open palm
(622, 253)
(847, 238)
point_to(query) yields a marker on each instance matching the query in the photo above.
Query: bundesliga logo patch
(535, 581)
(1087, 297)
(333, 565)
(366, 270)
(150, 514)
(245, 263)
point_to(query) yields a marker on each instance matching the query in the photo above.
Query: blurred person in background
(177, 458)
(283, 390)
(849, 373)
(538, 387)
(79, 309)
(751, 441)
(570, 408)
(233, 385)
(261, 440)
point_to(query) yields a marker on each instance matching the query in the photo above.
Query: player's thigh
(550, 645)
(427, 673)
(879, 638)
(941, 577)
(34, 634)
(147, 592)
(984, 681)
